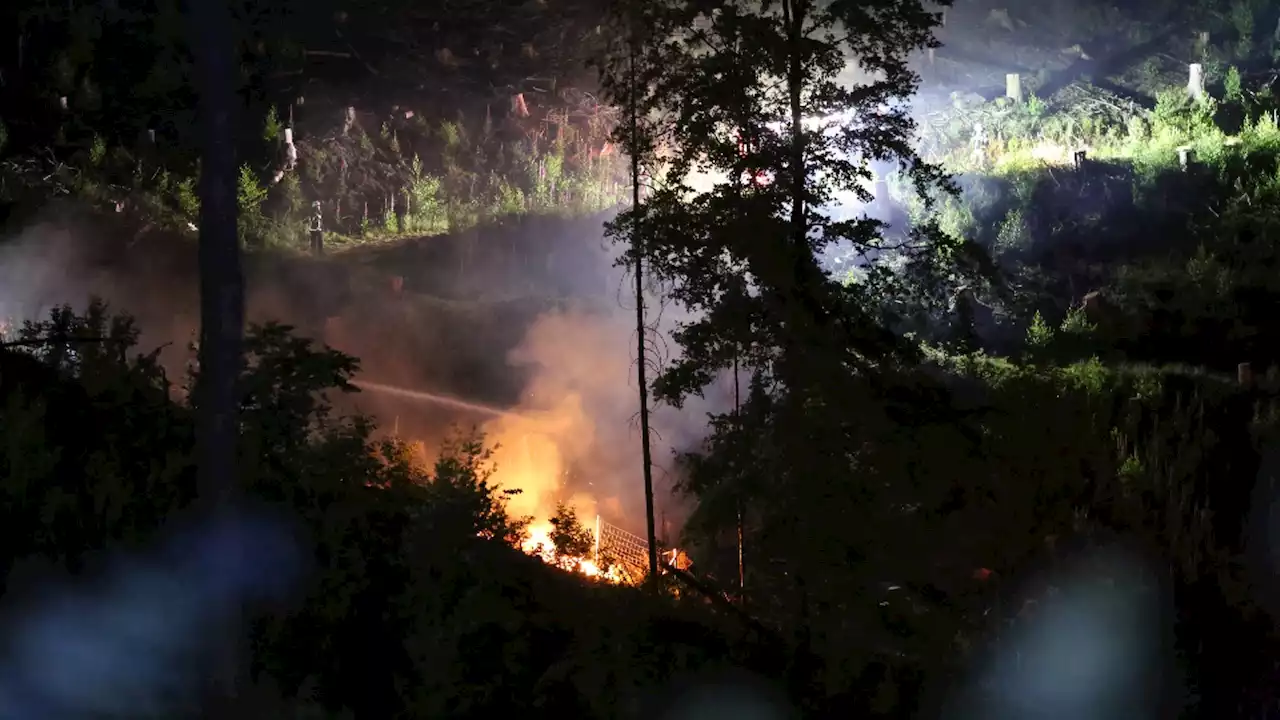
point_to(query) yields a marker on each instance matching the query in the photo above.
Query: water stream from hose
(435, 399)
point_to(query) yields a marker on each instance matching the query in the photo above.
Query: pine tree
(758, 115)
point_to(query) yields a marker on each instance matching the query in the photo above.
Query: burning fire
(616, 556)
(532, 451)
(540, 545)
(532, 456)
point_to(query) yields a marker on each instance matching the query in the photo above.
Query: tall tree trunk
(637, 247)
(737, 419)
(794, 12)
(221, 300)
(807, 275)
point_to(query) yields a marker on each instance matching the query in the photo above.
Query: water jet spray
(436, 399)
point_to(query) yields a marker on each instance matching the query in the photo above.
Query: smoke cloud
(577, 437)
(502, 335)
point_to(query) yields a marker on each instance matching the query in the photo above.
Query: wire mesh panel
(621, 547)
(615, 546)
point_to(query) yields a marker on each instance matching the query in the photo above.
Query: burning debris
(606, 551)
(532, 455)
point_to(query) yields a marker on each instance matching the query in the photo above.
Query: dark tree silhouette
(221, 291)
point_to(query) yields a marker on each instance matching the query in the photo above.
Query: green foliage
(1138, 129)
(570, 538)
(291, 214)
(1242, 17)
(389, 221)
(1039, 335)
(186, 199)
(1181, 116)
(1036, 107)
(1137, 425)
(451, 136)
(469, 179)
(272, 129)
(249, 191)
(426, 213)
(250, 195)
(1158, 239)
(1232, 88)
(97, 151)
(1077, 322)
(1014, 234)
(956, 218)
(510, 199)
(476, 180)
(1077, 336)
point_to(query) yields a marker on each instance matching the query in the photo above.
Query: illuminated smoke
(576, 436)
(568, 374)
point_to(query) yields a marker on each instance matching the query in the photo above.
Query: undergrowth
(1171, 215)
(373, 187)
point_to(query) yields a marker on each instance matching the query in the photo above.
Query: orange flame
(538, 544)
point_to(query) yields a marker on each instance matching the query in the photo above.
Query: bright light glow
(705, 179)
(539, 545)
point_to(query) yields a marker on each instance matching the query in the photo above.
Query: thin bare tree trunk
(737, 418)
(637, 244)
(794, 12)
(221, 304)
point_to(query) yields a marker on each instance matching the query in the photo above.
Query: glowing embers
(677, 559)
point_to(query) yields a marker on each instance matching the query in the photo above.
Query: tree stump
(1186, 157)
(1195, 80)
(1013, 87)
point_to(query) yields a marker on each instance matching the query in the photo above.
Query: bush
(571, 540)
(250, 195)
(1178, 116)
(417, 604)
